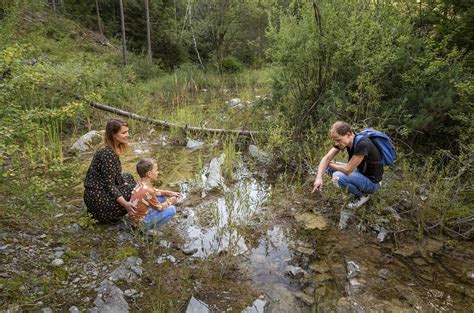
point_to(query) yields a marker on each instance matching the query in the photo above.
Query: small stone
(76, 227)
(383, 273)
(353, 269)
(197, 306)
(164, 244)
(46, 310)
(124, 236)
(189, 250)
(58, 254)
(295, 271)
(73, 309)
(344, 219)
(57, 262)
(194, 144)
(153, 233)
(470, 275)
(42, 236)
(131, 293)
(171, 258)
(382, 234)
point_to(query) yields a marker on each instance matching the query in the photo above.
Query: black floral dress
(104, 184)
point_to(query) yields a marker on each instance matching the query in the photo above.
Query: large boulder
(213, 177)
(87, 142)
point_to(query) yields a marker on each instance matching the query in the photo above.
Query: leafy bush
(230, 64)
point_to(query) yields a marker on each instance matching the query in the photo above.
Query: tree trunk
(168, 125)
(124, 42)
(99, 22)
(148, 30)
(54, 5)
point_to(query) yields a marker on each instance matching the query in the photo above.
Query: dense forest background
(401, 66)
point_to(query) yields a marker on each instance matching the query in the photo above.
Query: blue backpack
(382, 141)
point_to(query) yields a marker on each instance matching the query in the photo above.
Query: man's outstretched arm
(323, 165)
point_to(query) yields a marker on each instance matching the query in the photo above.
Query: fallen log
(168, 125)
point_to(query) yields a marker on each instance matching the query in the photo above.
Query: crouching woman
(106, 190)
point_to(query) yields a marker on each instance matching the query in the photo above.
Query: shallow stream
(286, 264)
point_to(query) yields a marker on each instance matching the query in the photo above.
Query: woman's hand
(130, 207)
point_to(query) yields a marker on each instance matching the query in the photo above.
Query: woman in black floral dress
(107, 191)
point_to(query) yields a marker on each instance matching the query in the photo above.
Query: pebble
(57, 262)
(73, 309)
(131, 293)
(58, 254)
(76, 227)
(384, 273)
(189, 251)
(46, 310)
(295, 271)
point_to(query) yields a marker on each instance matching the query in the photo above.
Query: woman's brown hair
(113, 127)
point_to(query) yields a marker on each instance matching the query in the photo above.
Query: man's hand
(318, 185)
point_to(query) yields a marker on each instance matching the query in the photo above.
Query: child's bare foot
(172, 200)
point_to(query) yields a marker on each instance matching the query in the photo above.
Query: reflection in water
(238, 207)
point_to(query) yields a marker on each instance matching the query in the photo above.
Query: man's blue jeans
(356, 183)
(155, 219)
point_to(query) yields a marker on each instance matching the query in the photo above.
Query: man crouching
(363, 172)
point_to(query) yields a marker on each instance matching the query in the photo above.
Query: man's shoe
(358, 202)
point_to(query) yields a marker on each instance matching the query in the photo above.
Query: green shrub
(231, 64)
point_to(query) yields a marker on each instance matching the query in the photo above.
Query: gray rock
(130, 293)
(344, 218)
(353, 269)
(194, 144)
(58, 262)
(214, 178)
(110, 299)
(124, 236)
(470, 275)
(189, 250)
(165, 244)
(73, 309)
(154, 233)
(46, 310)
(197, 306)
(58, 254)
(295, 271)
(382, 234)
(76, 227)
(261, 156)
(258, 306)
(355, 287)
(234, 102)
(87, 141)
(384, 273)
(130, 270)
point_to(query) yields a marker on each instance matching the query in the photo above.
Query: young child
(154, 207)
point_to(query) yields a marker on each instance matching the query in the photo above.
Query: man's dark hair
(144, 166)
(340, 128)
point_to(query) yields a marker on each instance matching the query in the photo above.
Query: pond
(241, 243)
